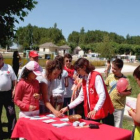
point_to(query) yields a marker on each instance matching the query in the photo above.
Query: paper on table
(49, 121)
(40, 118)
(64, 119)
(51, 115)
(61, 125)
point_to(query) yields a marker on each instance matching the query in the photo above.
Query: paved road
(126, 68)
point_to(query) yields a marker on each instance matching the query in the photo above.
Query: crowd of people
(65, 88)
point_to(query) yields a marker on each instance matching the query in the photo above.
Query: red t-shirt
(24, 94)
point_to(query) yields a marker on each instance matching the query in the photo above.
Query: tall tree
(33, 36)
(105, 48)
(74, 38)
(10, 11)
(82, 31)
(55, 25)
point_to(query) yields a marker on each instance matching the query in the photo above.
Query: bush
(42, 62)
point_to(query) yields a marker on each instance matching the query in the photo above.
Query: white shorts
(28, 113)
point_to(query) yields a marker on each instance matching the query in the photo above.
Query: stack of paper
(51, 115)
(40, 118)
(49, 121)
(64, 119)
(61, 125)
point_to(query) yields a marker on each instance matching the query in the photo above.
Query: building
(78, 51)
(48, 49)
(62, 50)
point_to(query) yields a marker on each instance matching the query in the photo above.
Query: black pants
(7, 102)
(79, 109)
(67, 102)
(109, 120)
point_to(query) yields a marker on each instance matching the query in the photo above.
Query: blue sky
(118, 16)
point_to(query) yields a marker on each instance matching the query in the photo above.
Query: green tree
(55, 25)
(11, 11)
(73, 38)
(105, 49)
(82, 31)
(33, 36)
(82, 36)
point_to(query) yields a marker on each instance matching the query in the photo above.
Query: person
(27, 91)
(58, 86)
(7, 84)
(53, 71)
(15, 62)
(118, 99)
(107, 70)
(135, 114)
(48, 58)
(97, 103)
(70, 69)
(79, 109)
(33, 56)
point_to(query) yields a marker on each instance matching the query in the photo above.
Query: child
(27, 91)
(135, 114)
(118, 98)
(70, 69)
(53, 71)
(76, 89)
(108, 67)
(58, 86)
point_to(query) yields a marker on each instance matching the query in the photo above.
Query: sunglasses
(68, 60)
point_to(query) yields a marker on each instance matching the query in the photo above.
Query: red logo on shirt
(91, 91)
(8, 72)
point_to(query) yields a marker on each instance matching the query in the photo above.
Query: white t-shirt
(100, 91)
(7, 75)
(58, 85)
(42, 79)
(68, 91)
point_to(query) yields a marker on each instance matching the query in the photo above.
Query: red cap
(33, 54)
